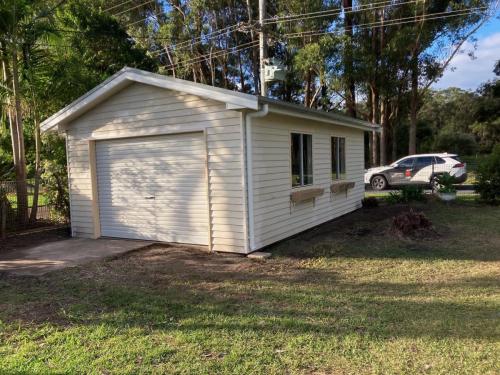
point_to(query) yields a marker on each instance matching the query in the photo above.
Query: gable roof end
(127, 76)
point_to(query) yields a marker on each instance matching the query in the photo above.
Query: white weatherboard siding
(141, 110)
(153, 188)
(274, 217)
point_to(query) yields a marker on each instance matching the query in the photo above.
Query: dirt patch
(163, 264)
(413, 225)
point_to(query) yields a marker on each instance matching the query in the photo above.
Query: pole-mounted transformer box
(274, 70)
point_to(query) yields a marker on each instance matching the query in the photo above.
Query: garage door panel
(153, 188)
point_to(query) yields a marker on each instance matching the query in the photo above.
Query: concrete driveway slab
(41, 259)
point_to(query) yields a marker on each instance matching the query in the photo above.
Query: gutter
(264, 110)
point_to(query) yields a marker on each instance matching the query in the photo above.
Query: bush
(458, 143)
(412, 194)
(407, 194)
(369, 202)
(55, 180)
(394, 197)
(445, 182)
(488, 177)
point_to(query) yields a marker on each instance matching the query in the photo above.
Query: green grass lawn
(42, 200)
(344, 298)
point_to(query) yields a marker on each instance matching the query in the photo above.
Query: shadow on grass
(311, 302)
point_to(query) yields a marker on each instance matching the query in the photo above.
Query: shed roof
(233, 99)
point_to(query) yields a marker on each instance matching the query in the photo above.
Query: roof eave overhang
(128, 76)
(326, 117)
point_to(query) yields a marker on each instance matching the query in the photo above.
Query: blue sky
(467, 73)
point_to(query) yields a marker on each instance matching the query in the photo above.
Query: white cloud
(470, 73)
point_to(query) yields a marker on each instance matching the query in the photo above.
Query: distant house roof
(233, 100)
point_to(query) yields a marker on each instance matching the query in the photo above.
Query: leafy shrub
(445, 182)
(488, 177)
(455, 142)
(410, 223)
(369, 202)
(394, 197)
(407, 194)
(412, 194)
(55, 180)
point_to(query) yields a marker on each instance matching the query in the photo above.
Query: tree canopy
(374, 60)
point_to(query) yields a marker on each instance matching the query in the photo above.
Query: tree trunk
(36, 189)
(384, 103)
(384, 116)
(375, 121)
(307, 96)
(20, 158)
(412, 149)
(255, 51)
(17, 138)
(242, 74)
(394, 151)
(350, 92)
(394, 132)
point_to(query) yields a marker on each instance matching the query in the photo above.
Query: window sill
(305, 194)
(302, 187)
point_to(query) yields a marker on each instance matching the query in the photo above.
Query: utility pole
(262, 47)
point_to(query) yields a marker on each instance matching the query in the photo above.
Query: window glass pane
(307, 155)
(338, 158)
(341, 157)
(335, 175)
(406, 163)
(296, 159)
(424, 161)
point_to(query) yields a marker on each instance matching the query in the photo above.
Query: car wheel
(379, 183)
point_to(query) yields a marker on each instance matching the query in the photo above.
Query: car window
(406, 163)
(424, 161)
(439, 160)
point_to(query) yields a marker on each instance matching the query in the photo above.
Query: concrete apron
(41, 259)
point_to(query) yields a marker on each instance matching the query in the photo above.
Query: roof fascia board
(310, 115)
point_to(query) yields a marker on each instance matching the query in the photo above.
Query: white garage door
(153, 188)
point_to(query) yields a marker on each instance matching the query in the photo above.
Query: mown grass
(42, 200)
(345, 298)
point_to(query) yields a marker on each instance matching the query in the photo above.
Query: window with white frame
(301, 152)
(338, 158)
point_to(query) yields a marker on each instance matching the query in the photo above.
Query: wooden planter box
(305, 195)
(341, 186)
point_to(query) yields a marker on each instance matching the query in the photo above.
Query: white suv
(416, 170)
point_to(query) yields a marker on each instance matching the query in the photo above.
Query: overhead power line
(212, 35)
(132, 8)
(200, 58)
(399, 21)
(117, 5)
(334, 12)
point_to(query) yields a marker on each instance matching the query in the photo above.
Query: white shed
(158, 158)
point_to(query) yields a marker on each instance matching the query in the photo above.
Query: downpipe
(249, 170)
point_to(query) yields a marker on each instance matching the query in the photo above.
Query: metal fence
(20, 214)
